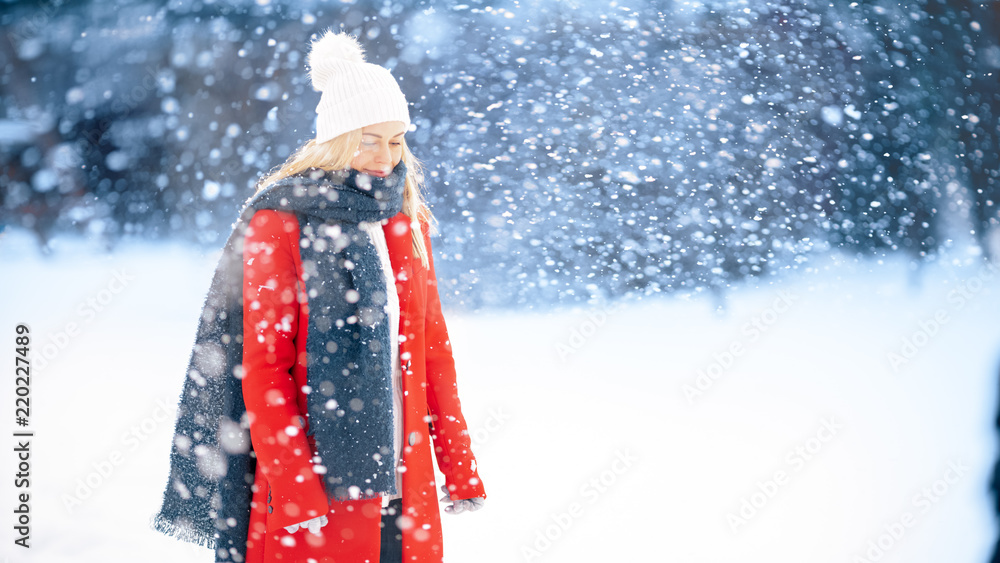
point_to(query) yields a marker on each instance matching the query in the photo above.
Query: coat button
(270, 509)
(414, 438)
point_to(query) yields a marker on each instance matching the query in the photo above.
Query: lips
(379, 173)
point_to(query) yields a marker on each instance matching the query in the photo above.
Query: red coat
(286, 491)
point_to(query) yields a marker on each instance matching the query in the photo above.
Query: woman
(345, 374)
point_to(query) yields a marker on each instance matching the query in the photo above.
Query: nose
(383, 154)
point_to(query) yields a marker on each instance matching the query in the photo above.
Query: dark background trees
(574, 150)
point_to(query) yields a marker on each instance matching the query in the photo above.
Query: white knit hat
(355, 93)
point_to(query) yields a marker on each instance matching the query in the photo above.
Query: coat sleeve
(270, 325)
(452, 445)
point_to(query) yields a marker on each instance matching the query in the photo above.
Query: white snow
(587, 444)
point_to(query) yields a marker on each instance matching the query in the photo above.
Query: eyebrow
(380, 136)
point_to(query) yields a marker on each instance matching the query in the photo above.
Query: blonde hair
(337, 154)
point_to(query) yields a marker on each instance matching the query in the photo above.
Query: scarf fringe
(366, 496)
(162, 524)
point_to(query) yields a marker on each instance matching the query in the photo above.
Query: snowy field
(841, 416)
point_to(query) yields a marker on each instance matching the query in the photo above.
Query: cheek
(359, 161)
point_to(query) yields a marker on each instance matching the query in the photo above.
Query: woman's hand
(313, 525)
(460, 506)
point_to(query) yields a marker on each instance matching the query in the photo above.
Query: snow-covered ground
(806, 439)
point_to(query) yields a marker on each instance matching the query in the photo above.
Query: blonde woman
(306, 426)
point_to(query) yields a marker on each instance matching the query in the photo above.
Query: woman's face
(381, 148)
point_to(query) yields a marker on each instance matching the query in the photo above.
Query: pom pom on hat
(326, 51)
(355, 93)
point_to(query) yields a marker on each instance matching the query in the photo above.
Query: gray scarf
(207, 497)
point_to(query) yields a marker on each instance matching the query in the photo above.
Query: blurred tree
(575, 150)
